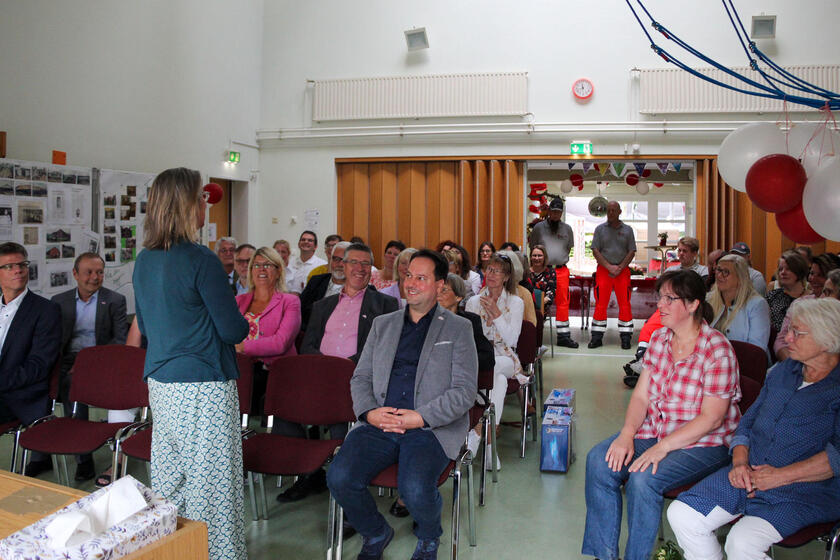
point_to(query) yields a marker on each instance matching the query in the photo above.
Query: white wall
(555, 41)
(138, 86)
(147, 85)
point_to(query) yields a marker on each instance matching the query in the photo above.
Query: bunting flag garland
(587, 166)
(663, 167)
(676, 166)
(618, 169)
(600, 169)
(640, 167)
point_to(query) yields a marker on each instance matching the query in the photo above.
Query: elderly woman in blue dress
(785, 452)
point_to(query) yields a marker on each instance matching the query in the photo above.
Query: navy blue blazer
(28, 354)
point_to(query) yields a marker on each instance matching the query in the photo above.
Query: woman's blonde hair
(274, 258)
(405, 254)
(172, 209)
(454, 256)
(745, 292)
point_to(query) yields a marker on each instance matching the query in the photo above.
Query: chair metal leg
(540, 380)
(525, 395)
(482, 484)
(331, 528)
(15, 451)
(56, 470)
(253, 496)
(124, 466)
(831, 544)
(261, 484)
(456, 511)
(24, 462)
(470, 501)
(495, 457)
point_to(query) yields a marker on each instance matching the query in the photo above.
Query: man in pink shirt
(339, 326)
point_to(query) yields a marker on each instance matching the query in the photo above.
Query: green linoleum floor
(529, 514)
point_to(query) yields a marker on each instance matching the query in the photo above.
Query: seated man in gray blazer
(412, 390)
(90, 316)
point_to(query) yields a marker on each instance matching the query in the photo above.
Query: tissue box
(560, 397)
(557, 442)
(154, 522)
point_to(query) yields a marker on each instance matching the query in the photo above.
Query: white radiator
(449, 95)
(672, 90)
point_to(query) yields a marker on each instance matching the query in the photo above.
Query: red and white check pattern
(676, 390)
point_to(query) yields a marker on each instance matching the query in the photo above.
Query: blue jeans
(644, 496)
(365, 453)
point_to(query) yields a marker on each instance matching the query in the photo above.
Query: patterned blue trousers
(197, 458)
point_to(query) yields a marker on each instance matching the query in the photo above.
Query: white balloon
(566, 186)
(821, 200)
(814, 144)
(743, 147)
(642, 187)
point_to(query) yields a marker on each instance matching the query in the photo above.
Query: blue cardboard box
(560, 397)
(557, 442)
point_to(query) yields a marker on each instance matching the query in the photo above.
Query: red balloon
(631, 179)
(795, 226)
(212, 193)
(576, 179)
(775, 182)
(646, 173)
(658, 185)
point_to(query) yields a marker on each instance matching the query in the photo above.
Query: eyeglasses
(241, 261)
(22, 265)
(493, 270)
(722, 272)
(226, 251)
(263, 266)
(668, 299)
(445, 290)
(336, 259)
(797, 333)
(354, 262)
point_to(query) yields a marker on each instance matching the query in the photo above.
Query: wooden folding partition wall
(422, 202)
(725, 216)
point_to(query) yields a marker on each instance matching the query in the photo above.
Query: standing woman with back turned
(186, 310)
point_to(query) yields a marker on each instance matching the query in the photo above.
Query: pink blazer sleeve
(279, 326)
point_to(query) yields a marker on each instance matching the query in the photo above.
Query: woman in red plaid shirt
(678, 425)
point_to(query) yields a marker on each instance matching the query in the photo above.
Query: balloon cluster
(633, 180)
(797, 176)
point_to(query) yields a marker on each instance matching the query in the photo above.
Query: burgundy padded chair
(828, 532)
(388, 479)
(109, 377)
(526, 349)
(308, 390)
(752, 360)
(136, 441)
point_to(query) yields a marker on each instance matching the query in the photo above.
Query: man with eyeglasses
(338, 326)
(614, 246)
(91, 315)
(330, 242)
(558, 239)
(30, 337)
(241, 258)
(324, 285)
(225, 250)
(301, 265)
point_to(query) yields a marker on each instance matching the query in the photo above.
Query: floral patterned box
(154, 522)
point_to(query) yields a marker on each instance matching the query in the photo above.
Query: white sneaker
(488, 462)
(473, 440)
(542, 350)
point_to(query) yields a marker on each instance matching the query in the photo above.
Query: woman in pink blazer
(273, 316)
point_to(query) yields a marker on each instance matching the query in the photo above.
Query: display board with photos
(47, 208)
(122, 210)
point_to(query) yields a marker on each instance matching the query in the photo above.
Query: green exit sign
(580, 148)
(233, 157)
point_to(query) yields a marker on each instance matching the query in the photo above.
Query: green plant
(668, 551)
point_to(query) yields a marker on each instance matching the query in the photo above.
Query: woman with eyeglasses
(677, 428)
(501, 312)
(785, 458)
(739, 312)
(187, 313)
(792, 276)
(485, 251)
(821, 267)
